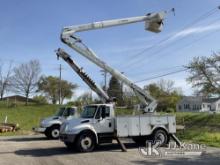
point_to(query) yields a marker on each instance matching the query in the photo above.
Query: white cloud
(196, 30)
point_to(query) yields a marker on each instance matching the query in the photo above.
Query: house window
(194, 107)
(203, 105)
(188, 106)
(180, 107)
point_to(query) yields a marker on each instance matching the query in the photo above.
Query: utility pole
(60, 92)
(122, 86)
(104, 73)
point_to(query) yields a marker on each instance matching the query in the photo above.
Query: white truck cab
(50, 126)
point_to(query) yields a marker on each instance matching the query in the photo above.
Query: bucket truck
(98, 123)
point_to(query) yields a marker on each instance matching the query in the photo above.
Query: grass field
(26, 116)
(200, 127)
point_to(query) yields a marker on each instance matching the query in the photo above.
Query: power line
(202, 17)
(156, 71)
(156, 53)
(159, 76)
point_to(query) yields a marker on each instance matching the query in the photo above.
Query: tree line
(26, 80)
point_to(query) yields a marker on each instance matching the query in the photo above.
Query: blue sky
(30, 30)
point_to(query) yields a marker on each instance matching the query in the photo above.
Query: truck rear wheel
(85, 142)
(161, 136)
(53, 132)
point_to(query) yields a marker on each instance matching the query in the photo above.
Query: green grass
(26, 116)
(200, 127)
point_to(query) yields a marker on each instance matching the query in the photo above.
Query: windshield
(88, 112)
(60, 112)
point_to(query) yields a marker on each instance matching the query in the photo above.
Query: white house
(198, 104)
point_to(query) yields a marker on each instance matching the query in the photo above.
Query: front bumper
(69, 138)
(39, 129)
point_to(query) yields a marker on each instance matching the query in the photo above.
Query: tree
(50, 86)
(67, 90)
(85, 98)
(205, 74)
(129, 98)
(166, 94)
(40, 99)
(4, 79)
(115, 90)
(25, 78)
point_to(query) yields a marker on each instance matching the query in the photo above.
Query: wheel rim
(55, 133)
(86, 143)
(160, 137)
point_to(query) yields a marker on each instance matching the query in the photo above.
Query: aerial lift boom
(153, 23)
(99, 91)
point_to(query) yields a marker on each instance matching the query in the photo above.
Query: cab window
(103, 112)
(66, 113)
(71, 111)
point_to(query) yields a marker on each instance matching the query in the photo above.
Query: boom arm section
(153, 22)
(100, 92)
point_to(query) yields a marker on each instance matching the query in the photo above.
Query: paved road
(36, 150)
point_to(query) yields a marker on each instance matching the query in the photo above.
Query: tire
(85, 142)
(162, 136)
(53, 132)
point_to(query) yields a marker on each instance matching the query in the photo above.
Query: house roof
(18, 97)
(192, 98)
(210, 100)
(199, 99)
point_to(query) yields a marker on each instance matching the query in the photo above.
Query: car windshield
(88, 112)
(60, 112)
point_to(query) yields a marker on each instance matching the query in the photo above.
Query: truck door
(104, 123)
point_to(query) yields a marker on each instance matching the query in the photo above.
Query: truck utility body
(143, 125)
(98, 123)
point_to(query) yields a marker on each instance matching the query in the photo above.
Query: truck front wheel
(53, 132)
(86, 142)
